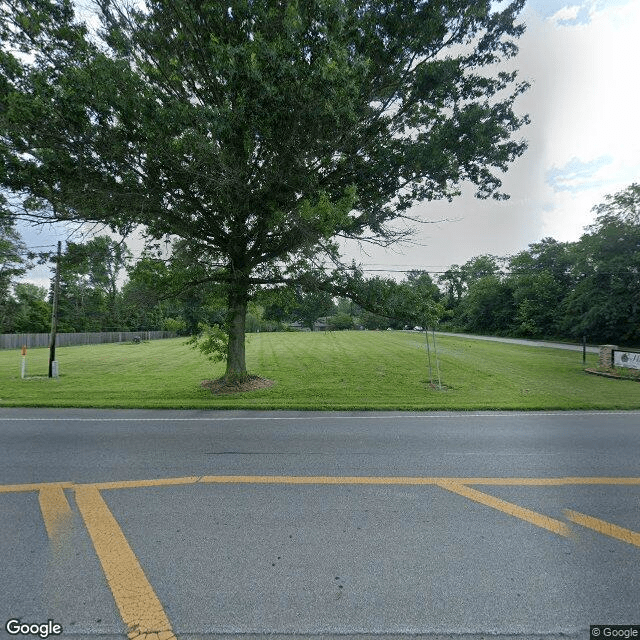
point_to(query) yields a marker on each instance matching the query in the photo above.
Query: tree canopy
(560, 290)
(259, 132)
(14, 260)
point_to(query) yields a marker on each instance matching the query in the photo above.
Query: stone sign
(628, 359)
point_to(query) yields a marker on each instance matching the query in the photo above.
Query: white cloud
(566, 14)
(591, 128)
(577, 175)
(584, 140)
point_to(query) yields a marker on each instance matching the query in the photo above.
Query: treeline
(551, 290)
(102, 289)
(554, 290)
(558, 290)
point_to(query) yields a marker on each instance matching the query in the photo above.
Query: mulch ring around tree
(224, 386)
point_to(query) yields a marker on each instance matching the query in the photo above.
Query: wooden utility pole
(54, 313)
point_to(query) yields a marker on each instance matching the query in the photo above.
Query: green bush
(340, 322)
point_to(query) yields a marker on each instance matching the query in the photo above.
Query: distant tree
(277, 304)
(257, 131)
(81, 307)
(541, 278)
(14, 261)
(255, 317)
(142, 291)
(191, 284)
(453, 282)
(89, 275)
(605, 303)
(413, 301)
(423, 285)
(374, 321)
(346, 306)
(488, 307)
(177, 325)
(480, 267)
(174, 286)
(106, 259)
(622, 208)
(553, 289)
(465, 308)
(32, 312)
(340, 321)
(309, 306)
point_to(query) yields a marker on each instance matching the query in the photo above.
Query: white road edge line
(323, 417)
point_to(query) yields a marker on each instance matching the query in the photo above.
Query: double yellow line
(139, 606)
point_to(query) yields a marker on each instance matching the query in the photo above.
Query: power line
(362, 267)
(413, 270)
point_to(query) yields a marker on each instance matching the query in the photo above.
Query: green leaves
(212, 341)
(414, 301)
(14, 261)
(218, 112)
(259, 131)
(325, 217)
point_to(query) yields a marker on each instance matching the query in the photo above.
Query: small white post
(23, 371)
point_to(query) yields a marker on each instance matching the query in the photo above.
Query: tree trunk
(236, 361)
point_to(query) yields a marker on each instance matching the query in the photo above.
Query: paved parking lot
(227, 552)
(394, 564)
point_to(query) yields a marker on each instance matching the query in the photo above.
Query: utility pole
(54, 316)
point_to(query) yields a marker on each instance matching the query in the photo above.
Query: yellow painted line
(128, 484)
(56, 511)
(377, 480)
(408, 480)
(604, 527)
(139, 606)
(14, 488)
(507, 507)
(317, 480)
(544, 482)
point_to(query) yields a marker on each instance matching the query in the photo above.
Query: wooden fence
(31, 340)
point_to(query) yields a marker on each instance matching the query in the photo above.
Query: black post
(54, 313)
(584, 349)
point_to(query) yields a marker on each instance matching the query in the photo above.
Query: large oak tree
(260, 131)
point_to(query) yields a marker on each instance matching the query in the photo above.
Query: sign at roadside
(628, 359)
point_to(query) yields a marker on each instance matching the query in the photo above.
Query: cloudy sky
(582, 60)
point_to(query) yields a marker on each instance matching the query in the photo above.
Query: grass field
(341, 371)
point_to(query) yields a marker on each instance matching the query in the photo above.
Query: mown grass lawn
(340, 370)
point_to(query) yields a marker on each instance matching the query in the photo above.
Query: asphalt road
(193, 524)
(522, 341)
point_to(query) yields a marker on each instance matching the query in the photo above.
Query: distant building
(319, 325)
